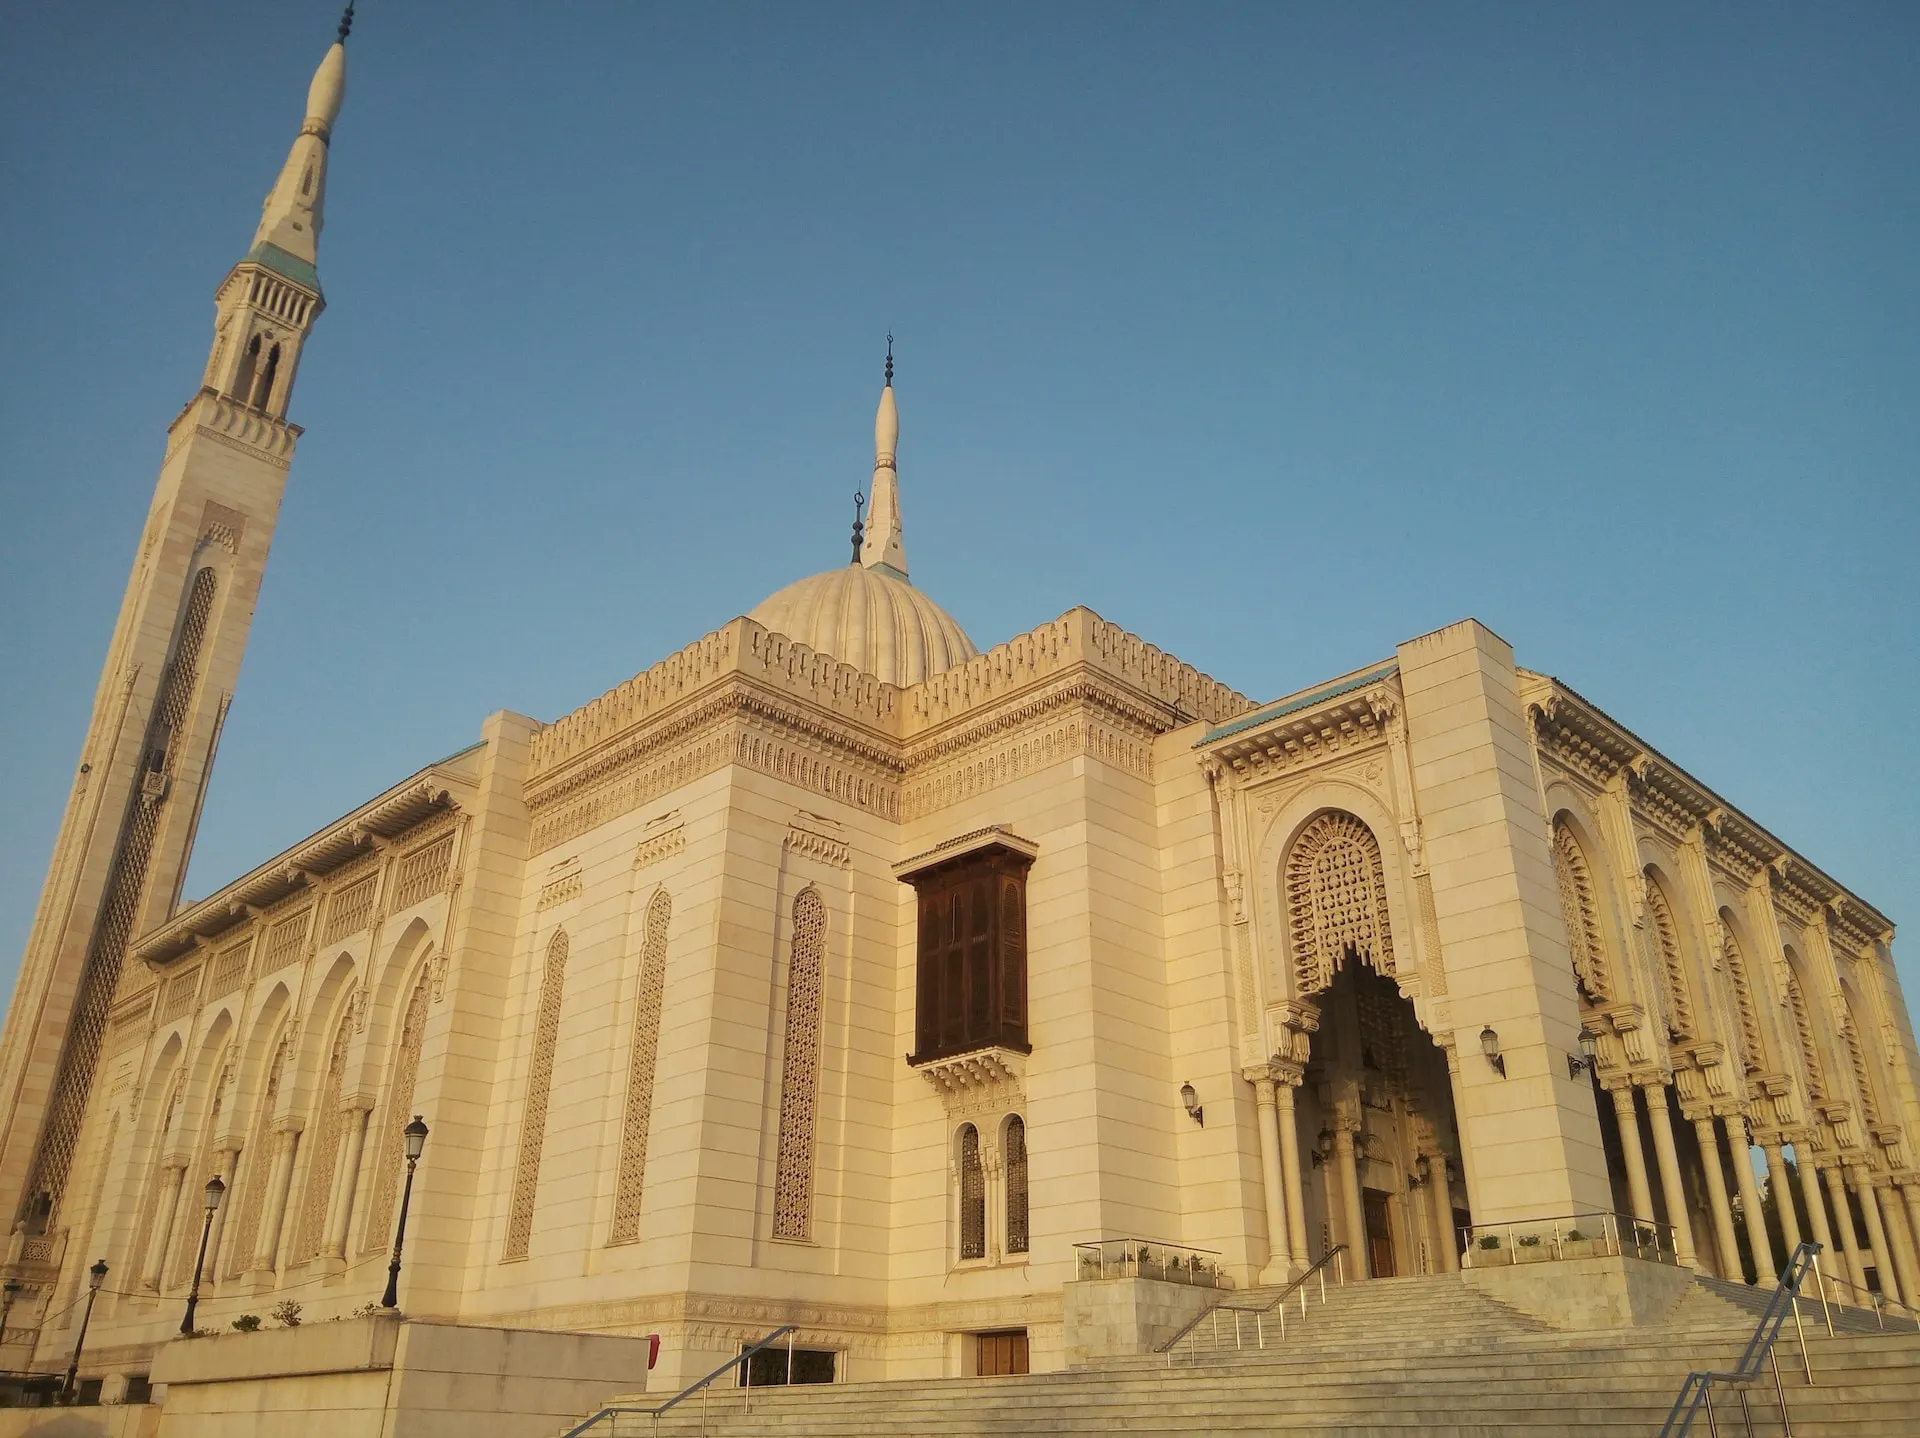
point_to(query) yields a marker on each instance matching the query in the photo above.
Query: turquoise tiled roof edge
(1305, 701)
(282, 263)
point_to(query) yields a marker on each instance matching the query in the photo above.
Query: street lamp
(12, 1290)
(215, 1191)
(95, 1277)
(415, 1136)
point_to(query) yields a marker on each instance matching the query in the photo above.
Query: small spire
(295, 210)
(859, 529)
(346, 23)
(884, 546)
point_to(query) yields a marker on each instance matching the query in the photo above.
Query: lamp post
(415, 1136)
(95, 1277)
(12, 1290)
(215, 1191)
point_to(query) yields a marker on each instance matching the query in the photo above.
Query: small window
(776, 1367)
(1016, 1169)
(139, 1389)
(973, 1196)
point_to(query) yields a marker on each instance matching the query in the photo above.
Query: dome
(865, 617)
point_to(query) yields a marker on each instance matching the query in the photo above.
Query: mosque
(834, 972)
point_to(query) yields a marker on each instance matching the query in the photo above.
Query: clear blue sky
(1275, 333)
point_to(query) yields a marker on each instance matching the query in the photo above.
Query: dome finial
(859, 502)
(885, 546)
(346, 22)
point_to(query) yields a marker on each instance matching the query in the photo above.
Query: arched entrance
(1380, 1144)
(1377, 1126)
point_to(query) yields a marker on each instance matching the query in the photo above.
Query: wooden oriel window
(972, 967)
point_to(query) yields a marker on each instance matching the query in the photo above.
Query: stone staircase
(1391, 1358)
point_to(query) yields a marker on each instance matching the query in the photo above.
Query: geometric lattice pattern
(1673, 972)
(259, 1166)
(1336, 901)
(1017, 1231)
(286, 940)
(120, 907)
(640, 1071)
(533, 1119)
(419, 875)
(327, 1118)
(973, 1196)
(350, 910)
(1736, 965)
(1803, 1030)
(399, 1112)
(229, 970)
(1580, 908)
(800, 1070)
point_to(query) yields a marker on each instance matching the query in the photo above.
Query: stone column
(346, 1179)
(1783, 1203)
(1849, 1240)
(1636, 1156)
(163, 1218)
(1348, 1167)
(1817, 1215)
(1442, 1197)
(1726, 1247)
(1910, 1196)
(1900, 1234)
(1271, 1181)
(1883, 1261)
(1290, 1173)
(275, 1213)
(1741, 1151)
(1671, 1188)
(229, 1167)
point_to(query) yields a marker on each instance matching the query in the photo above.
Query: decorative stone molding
(817, 837)
(564, 881)
(981, 1081)
(661, 839)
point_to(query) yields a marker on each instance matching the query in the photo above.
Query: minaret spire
(885, 545)
(294, 213)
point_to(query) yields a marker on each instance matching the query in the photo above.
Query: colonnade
(1890, 1210)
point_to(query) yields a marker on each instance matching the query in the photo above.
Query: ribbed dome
(880, 625)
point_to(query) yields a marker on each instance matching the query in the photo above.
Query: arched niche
(1571, 810)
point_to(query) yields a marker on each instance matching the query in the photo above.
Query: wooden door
(1379, 1233)
(999, 1354)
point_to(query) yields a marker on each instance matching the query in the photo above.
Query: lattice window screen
(229, 970)
(258, 1161)
(351, 910)
(533, 1120)
(1017, 1232)
(973, 1196)
(285, 941)
(392, 1157)
(126, 884)
(1673, 972)
(800, 1070)
(1336, 900)
(640, 1072)
(1580, 908)
(330, 1122)
(421, 874)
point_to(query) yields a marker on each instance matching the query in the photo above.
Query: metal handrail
(1336, 1254)
(785, 1331)
(1697, 1390)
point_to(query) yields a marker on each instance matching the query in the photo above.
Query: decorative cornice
(815, 836)
(661, 839)
(213, 416)
(994, 836)
(1331, 721)
(984, 1079)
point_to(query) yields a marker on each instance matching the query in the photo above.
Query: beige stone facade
(661, 978)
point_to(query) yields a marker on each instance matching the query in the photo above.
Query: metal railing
(611, 1415)
(1696, 1392)
(1573, 1235)
(1148, 1258)
(1268, 1316)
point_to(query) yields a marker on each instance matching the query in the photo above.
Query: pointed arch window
(973, 1195)
(1336, 900)
(264, 392)
(259, 1162)
(1803, 1031)
(1735, 961)
(1016, 1169)
(1580, 908)
(800, 1070)
(533, 1118)
(243, 379)
(1673, 971)
(331, 1123)
(399, 1111)
(641, 1065)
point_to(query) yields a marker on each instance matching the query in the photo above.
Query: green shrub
(247, 1322)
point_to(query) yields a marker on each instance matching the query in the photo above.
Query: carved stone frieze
(661, 839)
(985, 1080)
(815, 836)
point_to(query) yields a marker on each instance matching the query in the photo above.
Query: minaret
(122, 850)
(884, 547)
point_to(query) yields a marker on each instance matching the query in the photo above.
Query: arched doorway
(1376, 1122)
